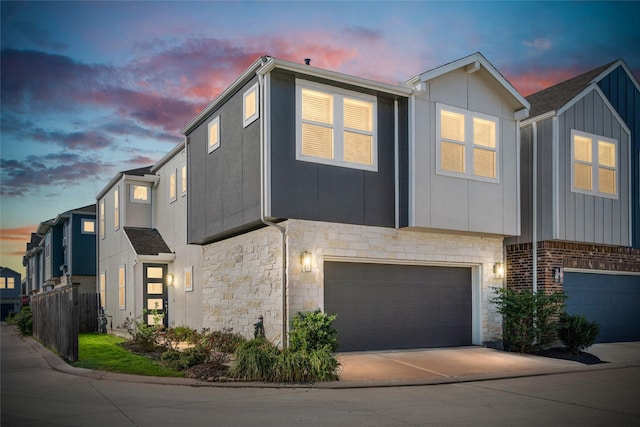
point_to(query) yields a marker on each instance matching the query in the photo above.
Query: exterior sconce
(498, 270)
(305, 261)
(169, 279)
(558, 275)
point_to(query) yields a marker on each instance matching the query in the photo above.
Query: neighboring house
(385, 204)
(144, 263)
(579, 172)
(63, 251)
(10, 301)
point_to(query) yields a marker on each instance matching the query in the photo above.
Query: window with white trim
(172, 187)
(11, 282)
(103, 289)
(250, 111)
(183, 181)
(140, 193)
(336, 126)
(188, 278)
(88, 226)
(102, 228)
(468, 144)
(594, 164)
(121, 287)
(213, 132)
(116, 208)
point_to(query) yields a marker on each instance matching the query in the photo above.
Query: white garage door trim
(476, 284)
(609, 272)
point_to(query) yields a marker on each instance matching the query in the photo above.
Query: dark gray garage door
(382, 306)
(611, 300)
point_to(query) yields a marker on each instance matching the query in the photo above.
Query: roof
(555, 97)
(146, 241)
(141, 172)
(138, 171)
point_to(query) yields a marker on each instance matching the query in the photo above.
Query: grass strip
(102, 352)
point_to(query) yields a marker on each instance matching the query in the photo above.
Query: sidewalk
(391, 368)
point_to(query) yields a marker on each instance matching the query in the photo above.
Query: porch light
(558, 275)
(169, 279)
(498, 270)
(305, 261)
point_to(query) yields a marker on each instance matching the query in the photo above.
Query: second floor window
(116, 208)
(88, 226)
(250, 110)
(102, 219)
(140, 193)
(594, 164)
(335, 126)
(467, 144)
(172, 187)
(213, 134)
(183, 181)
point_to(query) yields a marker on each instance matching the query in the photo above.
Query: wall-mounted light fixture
(498, 270)
(169, 279)
(305, 262)
(558, 275)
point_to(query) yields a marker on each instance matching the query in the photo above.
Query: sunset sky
(92, 88)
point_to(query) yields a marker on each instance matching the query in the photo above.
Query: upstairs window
(172, 187)
(213, 131)
(140, 193)
(336, 126)
(467, 144)
(594, 165)
(11, 283)
(250, 105)
(102, 219)
(116, 208)
(88, 226)
(183, 182)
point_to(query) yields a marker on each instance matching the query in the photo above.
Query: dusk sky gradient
(92, 88)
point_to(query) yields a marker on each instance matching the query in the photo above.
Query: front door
(156, 302)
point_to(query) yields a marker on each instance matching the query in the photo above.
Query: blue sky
(92, 88)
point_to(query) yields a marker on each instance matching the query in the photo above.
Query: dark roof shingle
(147, 241)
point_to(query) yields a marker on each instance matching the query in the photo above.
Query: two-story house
(145, 267)
(33, 262)
(579, 173)
(385, 204)
(10, 291)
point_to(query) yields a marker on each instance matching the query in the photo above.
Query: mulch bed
(563, 353)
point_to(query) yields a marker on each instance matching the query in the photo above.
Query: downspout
(534, 226)
(263, 183)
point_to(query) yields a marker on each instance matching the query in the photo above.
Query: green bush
(529, 320)
(255, 360)
(24, 321)
(181, 360)
(147, 337)
(225, 341)
(576, 332)
(313, 331)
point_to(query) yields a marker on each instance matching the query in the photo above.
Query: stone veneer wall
(553, 254)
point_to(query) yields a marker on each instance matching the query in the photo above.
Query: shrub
(255, 360)
(225, 341)
(529, 320)
(24, 321)
(147, 337)
(313, 331)
(576, 332)
(175, 336)
(180, 360)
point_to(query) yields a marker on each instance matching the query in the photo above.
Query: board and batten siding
(225, 183)
(461, 204)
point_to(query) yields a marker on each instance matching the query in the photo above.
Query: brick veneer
(553, 254)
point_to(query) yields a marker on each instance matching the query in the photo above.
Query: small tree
(529, 320)
(313, 331)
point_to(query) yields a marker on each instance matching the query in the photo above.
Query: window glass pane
(452, 125)
(317, 106)
(11, 284)
(154, 272)
(358, 115)
(188, 285)
(154, 304)
(607, 181)
(582, 176)
(357, 148)
(154, 288)
(582, 148)
(250, 104)
(452, 157)
(184, 179)
(3, 282)
(140, 192)
(88, 226)
(172, 186)
(607, 154)
(484, 162)
(213, 134)
(484, 132)
(317, 141)
(154, 320)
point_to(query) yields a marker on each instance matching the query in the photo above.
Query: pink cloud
(18, 234)
(532, 81)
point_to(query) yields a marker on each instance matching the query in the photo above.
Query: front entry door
(156, 302)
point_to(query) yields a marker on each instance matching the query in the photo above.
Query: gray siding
(224, 185)
(305, 190)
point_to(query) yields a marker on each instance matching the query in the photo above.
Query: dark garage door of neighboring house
(611, 300)
(384, 306)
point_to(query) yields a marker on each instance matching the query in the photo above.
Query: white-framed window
(116, 208)
(101, 219)
(336, 126)
(140, 193)
(250, 111)
(468, 144)
(11, 282)
(183, 181)
(88, 226)
(172, 186)
(121, 287)
(188, 278)
(213, 134)
(47, 245)
(103, 289)
(594, 164)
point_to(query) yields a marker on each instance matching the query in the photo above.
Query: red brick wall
(552, 254)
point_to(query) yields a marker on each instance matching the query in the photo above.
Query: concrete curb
(58, 364)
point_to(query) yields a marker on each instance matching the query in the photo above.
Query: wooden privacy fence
(59, 315)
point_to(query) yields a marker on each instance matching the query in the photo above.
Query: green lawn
(102, 352)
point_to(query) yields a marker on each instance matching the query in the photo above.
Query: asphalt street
(33, 394)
